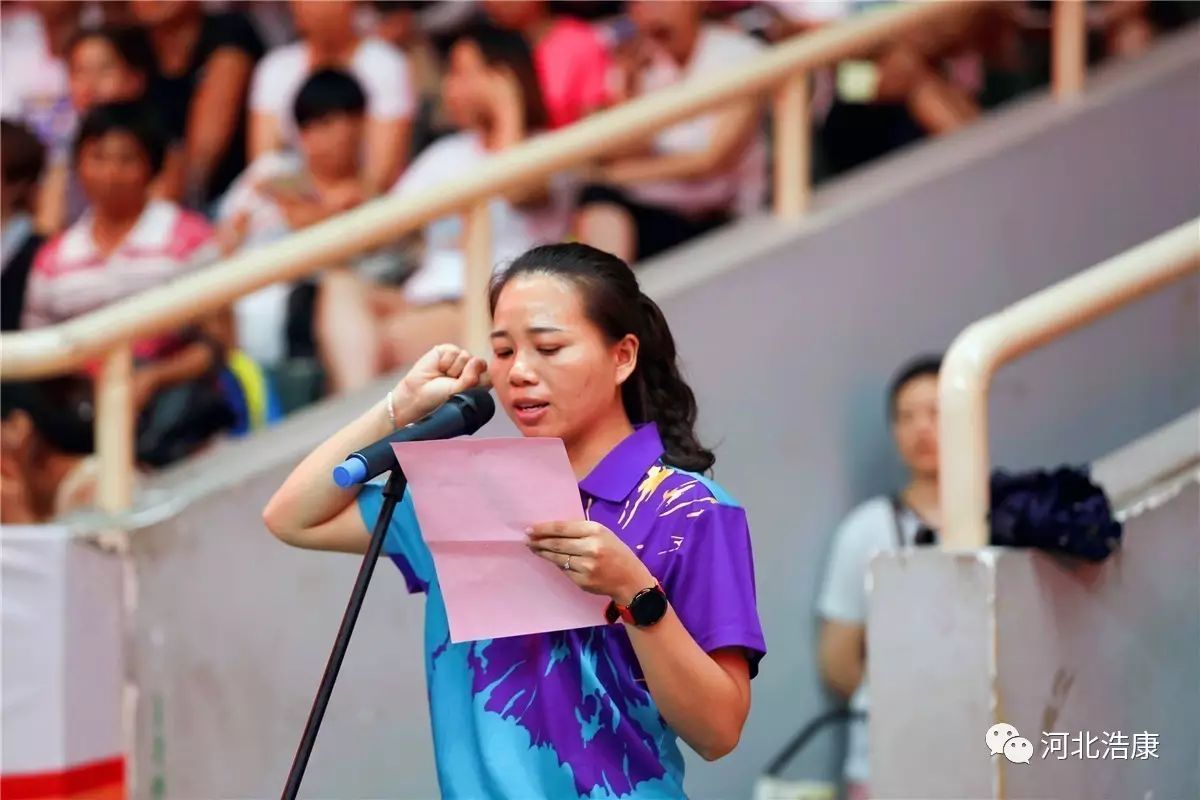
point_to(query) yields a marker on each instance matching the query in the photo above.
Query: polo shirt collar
(152, 231)
(619, 472)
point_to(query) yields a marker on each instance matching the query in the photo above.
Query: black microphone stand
(393, 492)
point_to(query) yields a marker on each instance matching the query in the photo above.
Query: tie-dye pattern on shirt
(568, 714)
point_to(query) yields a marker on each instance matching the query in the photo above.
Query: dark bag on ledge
(1061, 511)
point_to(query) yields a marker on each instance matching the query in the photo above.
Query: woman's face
(115, 173)
(465, 85)
(98, 75)
(554, 370)
(916, 425)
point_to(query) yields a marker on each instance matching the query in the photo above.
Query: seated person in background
(398, 22)
(284, 192)
(46, 466)
(927, 80)
(882, 523)
(22, 157)
(126, 243)
(330, 41)
(693, 176)
(491, 93)
(203, 63)
(106, 65)
(573, 64)
(33, 45)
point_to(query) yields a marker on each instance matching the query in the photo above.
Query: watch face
(648, 607)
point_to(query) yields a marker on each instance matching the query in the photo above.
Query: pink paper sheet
(474, 499)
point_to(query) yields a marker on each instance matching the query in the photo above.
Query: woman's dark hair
(501, 48)
(139, 119)
(656, 391)
(328, 92)
(920, 367)
(129, 41)
(22, 157)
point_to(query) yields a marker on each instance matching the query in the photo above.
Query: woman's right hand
(444, 371)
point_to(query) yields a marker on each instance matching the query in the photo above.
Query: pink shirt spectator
(70, 277)
(573, 70)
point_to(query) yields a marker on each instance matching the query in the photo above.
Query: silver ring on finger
(567, 564)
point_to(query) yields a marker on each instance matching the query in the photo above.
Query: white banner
(61, 673)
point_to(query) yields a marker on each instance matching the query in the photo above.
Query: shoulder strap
(897, 523)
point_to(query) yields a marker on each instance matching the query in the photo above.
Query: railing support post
(793, 147)
(477, 248)
(1069, 48)
(115, 430)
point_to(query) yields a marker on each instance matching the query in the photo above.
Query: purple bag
(1061, 511)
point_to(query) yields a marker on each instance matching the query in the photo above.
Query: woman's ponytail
(657, 392)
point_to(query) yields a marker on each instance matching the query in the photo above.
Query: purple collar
(619, 472)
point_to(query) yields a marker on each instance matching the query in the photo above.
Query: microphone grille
(477, 406)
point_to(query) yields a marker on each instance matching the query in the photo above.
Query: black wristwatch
(645, 609)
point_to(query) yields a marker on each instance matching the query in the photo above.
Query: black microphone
(461, 415)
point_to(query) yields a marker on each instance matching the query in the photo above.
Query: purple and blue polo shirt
(568, 714)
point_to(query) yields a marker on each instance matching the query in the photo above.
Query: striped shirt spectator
(71, 276)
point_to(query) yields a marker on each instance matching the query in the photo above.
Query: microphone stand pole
(393, 492)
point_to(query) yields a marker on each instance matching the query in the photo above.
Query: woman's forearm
(309, 498)
(695, 693)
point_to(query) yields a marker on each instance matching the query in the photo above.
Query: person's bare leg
(608, 227)
(346, 330)
(409, 335)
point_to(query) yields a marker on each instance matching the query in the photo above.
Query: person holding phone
(578, 353)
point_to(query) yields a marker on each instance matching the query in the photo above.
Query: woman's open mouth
(529, 412)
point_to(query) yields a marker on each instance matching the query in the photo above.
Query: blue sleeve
(403, 543)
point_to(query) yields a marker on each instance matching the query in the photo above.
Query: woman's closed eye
(549, 350)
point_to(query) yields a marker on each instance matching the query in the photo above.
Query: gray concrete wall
(1049, 645)
(789, 333)
(790, 338)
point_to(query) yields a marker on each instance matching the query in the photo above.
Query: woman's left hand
(599, 562)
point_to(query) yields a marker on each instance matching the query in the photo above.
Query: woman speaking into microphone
(578, 353)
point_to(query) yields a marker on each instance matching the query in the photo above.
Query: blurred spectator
(695, 175)
(330, 40)
(33, 46)
(572, 62)
(106, 65)
(930, 80)
(22, 157)
(398, 22)
(880, 524)
(283, 192)
(127, 243)
(203, 64)
(46, 469)
(491, 93)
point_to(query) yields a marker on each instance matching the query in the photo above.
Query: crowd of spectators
(149, 138)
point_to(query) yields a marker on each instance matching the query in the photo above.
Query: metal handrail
(108, 332)
(986, 345)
